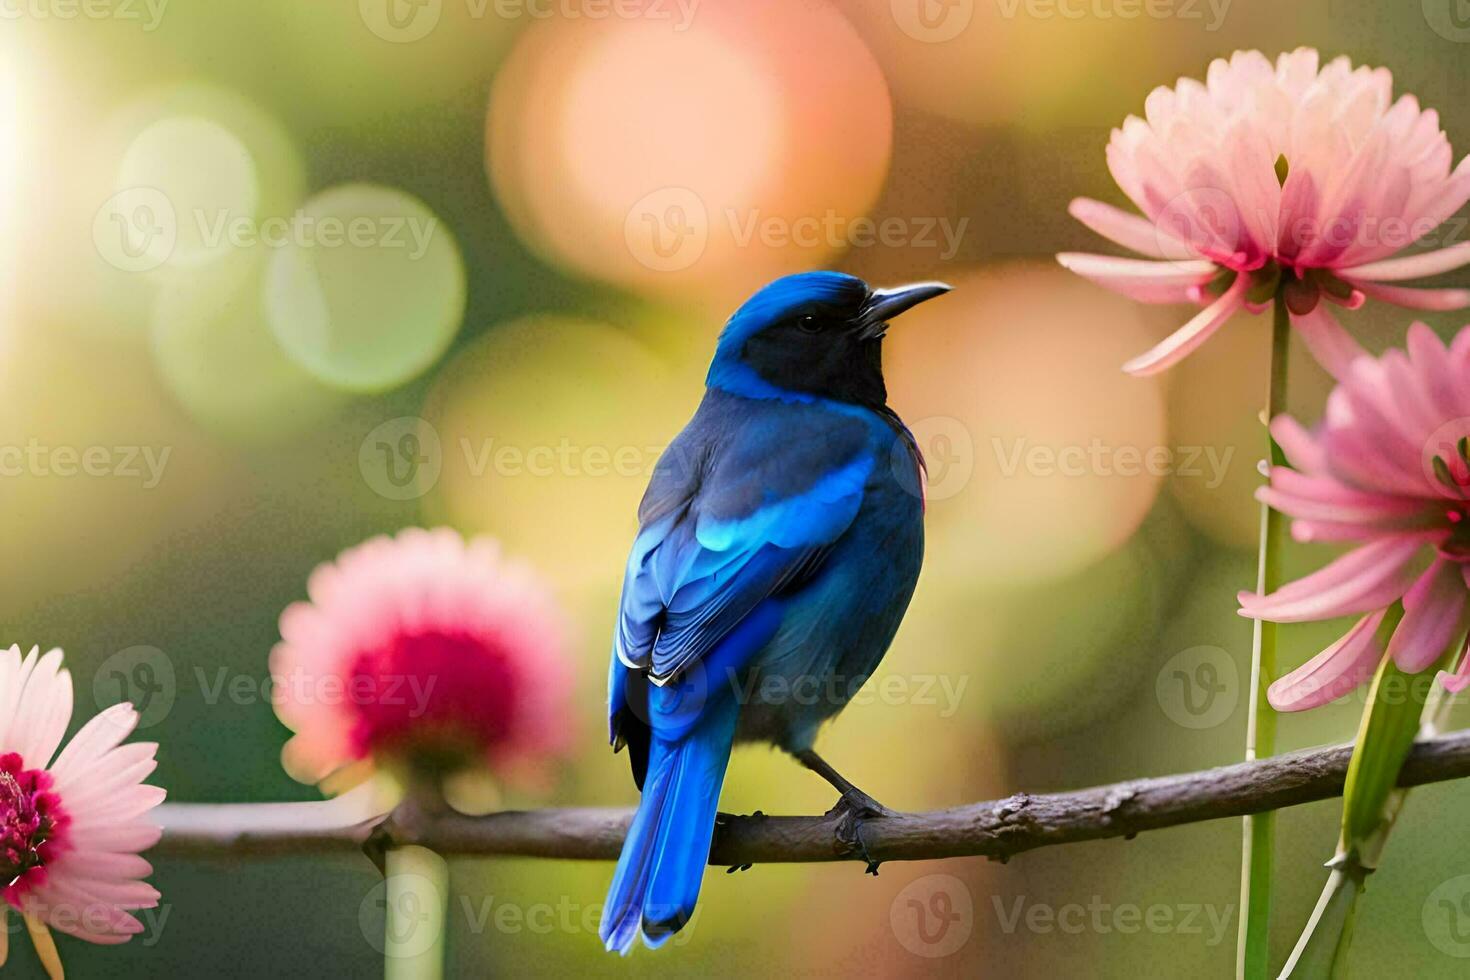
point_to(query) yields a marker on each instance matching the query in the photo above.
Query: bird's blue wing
(718, 569)
(738, 511)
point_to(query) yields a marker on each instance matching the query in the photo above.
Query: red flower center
(1457, 546)
(31, 822)
(442, 698)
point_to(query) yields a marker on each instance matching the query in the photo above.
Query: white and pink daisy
(1388, 471)
(1297, 179)
(72, 826)
(421, 652)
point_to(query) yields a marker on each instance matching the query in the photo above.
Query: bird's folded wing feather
(757, 518)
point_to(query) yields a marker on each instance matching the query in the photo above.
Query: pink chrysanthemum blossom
(1300, 178)
(72, 827)
(421, 651)
(1388, 470)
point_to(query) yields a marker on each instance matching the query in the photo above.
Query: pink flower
(1388, 470)
(72, 827)
(1298, 177)
(421, 650)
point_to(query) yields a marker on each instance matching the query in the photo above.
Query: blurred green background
(250, 246)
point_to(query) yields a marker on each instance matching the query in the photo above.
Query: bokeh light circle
(1026, 358)
(217, 357)
(551, 427)
(707, 158)
(368, 289)
(162, 181)
(986, 63)
(208, 177)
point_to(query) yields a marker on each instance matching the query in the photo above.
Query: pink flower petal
(1416, 299)
(1128, 230)
(96, 738)
(1448, 197)
(1300, 446)
(1332, 346)
(39, 694)
(1459, 679)
(1321, 498)
(1368, 577)
(1340, 668)
(1412, 266)
(1325, 531)
(1142, 279)
(1188, 338)
(420, 636)
(1432, 617)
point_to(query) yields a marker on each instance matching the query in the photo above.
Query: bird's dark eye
(808, 324)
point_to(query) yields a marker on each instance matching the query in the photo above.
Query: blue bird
(779, 542)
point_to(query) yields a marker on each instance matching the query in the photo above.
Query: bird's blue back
(781, 534)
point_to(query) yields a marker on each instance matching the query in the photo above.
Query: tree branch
(995, 829)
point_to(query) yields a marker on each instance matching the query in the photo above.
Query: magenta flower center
(31, 821)
(440, 698)
(1457, 546)
(1452, 470)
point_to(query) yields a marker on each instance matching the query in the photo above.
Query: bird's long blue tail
(657, 880)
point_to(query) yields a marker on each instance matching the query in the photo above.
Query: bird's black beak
(884, 304)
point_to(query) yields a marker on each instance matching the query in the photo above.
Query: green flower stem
(416, 889)
(1253, 949)
(416, 902)
(1395, 713)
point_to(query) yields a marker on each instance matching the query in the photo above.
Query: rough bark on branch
(996, 829)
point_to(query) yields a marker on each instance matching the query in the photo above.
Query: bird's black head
(814, 334)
